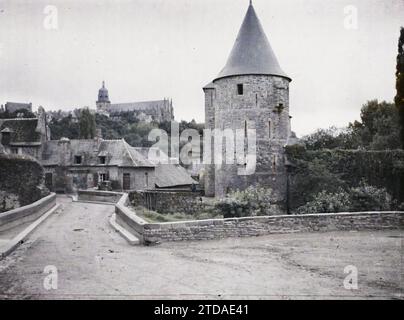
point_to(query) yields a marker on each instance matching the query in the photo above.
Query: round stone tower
(103, 102)
(251, 92)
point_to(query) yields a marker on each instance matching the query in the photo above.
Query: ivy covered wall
(21, 181)
(314, 171)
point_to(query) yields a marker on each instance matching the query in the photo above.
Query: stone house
(81, 164)
(24, 136)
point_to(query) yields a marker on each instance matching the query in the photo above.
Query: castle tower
(250, 92)
(103, 102)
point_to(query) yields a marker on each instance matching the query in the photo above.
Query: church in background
(146, 111)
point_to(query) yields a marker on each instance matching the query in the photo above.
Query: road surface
(92, 261)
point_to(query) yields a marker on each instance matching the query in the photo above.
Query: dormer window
(6, 136)
(78, 159)
(240, 89)
(102, 159)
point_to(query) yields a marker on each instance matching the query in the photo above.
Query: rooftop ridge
(128, 151)
(145, 101)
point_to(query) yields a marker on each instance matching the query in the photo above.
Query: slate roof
(117, 153)
(21, 130)
(251, 53)
(168, 175)
(171, 175)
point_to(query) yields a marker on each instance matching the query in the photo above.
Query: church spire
(252, 53)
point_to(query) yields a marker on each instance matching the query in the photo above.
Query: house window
(78, 159)
(147, 179)
(103, 177)
(14, 150)
(240, 89)
(49, 180)
(5, 138)
(102, 159)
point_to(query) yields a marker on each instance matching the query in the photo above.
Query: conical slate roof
(252, 53)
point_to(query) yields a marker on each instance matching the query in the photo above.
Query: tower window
(274, 163)
(240, 89)
(245, 129)
(78, 159)
(269, 130)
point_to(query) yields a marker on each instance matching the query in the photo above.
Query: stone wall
(98, 196)
(264, 107)
(13, 218)
(21, 181)
(152, 233)
(168, 201)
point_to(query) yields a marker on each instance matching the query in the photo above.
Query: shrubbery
(356, 199)
(369, 198)
(254, 201)
(325, 202)
(21, 179)
(330, 170)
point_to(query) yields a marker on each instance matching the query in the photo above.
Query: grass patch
(152, 216)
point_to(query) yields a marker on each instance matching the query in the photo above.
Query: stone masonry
(250, 93)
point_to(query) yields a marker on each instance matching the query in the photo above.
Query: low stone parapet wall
(98, 196)
(258, 226)
(128, 219)
(13, 218)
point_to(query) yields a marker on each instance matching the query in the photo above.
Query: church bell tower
(103, 102)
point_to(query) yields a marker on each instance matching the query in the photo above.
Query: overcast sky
(151, 49)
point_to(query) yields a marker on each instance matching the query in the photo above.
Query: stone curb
(132, 239)
(95, 202)
(19, 239)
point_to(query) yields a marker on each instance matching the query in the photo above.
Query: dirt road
(93, 261)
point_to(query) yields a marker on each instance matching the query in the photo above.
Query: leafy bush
(325, 202)
(330, 170)
(254, 201)
(369, 198)
(356, 199)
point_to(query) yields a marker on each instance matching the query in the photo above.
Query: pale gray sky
(150, 49)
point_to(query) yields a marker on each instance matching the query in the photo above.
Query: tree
(64, 127)
(87, 124)
(379, 128)
(399, 99)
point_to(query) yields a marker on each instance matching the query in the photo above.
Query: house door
(49, 181)
(126, 181)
